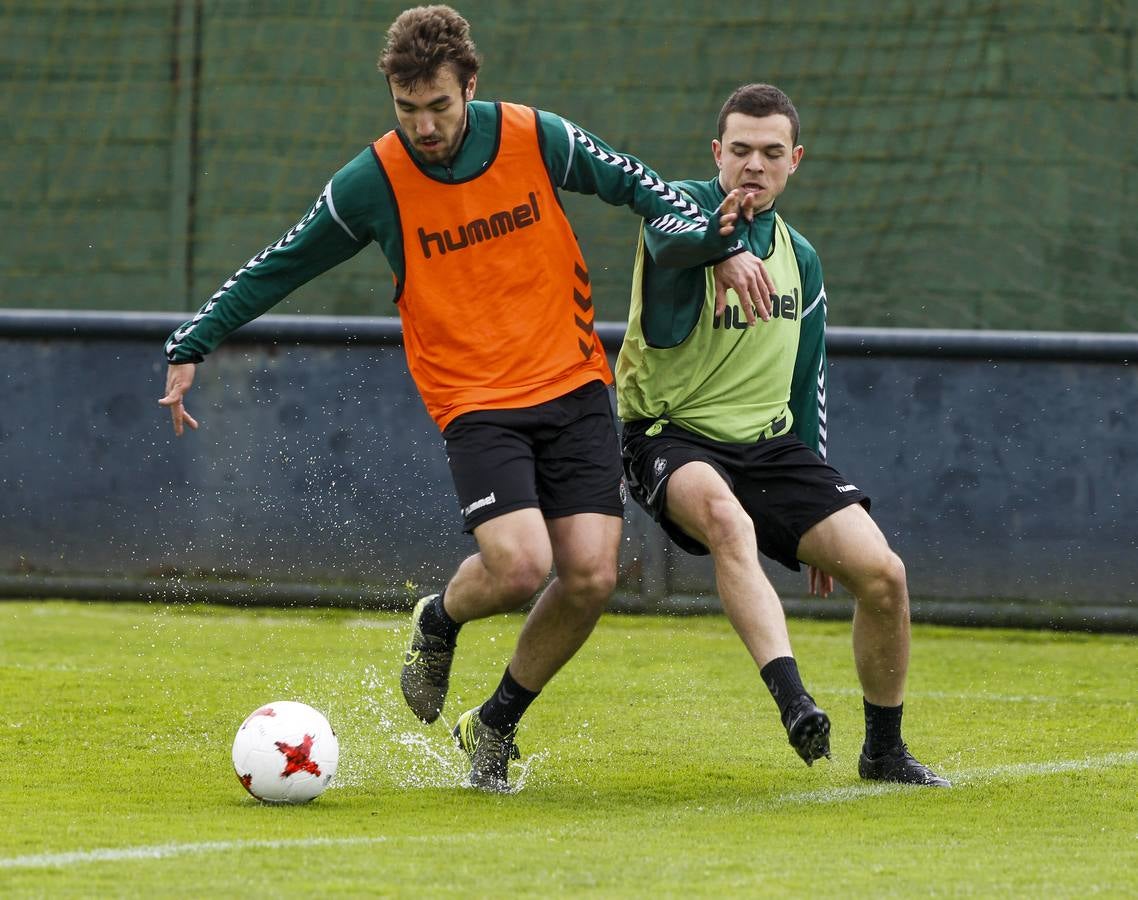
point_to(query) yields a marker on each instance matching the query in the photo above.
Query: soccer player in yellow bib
(723, 402)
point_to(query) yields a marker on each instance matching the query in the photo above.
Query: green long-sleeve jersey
(357, 208)
(673, 300)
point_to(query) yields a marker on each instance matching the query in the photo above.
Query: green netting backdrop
(968, 164)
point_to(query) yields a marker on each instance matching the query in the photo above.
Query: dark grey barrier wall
(1000, 465)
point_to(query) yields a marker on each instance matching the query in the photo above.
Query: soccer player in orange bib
(462, 198)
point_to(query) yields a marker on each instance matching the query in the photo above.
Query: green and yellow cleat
(489, 750)
(426, 669)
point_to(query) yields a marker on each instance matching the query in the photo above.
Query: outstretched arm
(738, 270)
(315, 244)
(581, 162)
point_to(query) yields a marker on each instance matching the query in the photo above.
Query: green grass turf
(653, 764)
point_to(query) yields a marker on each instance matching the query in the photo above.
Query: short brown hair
(423, 40)
(759, 100)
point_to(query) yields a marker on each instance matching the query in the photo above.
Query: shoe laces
(434, 653)
(498, 745)
(436, 663)
(901, 751)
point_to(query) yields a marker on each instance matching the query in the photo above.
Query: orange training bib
(496, 307)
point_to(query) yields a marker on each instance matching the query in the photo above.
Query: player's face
(757, 155)
(433, 115)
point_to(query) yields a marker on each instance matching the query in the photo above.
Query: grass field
(653, 765)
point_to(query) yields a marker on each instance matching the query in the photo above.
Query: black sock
(785, 684)
(505, 708)
(435, 621)
(882, 728)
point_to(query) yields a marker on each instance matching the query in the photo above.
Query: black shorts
(783, 485)
(561, 456)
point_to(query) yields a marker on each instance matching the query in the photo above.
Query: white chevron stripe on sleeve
(648, 180)
(822, 408)
(287, 238)
(670, 224)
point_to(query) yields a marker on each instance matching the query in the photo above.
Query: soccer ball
(285, 752)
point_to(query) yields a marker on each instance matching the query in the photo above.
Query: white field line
(973, 697)
(162, 851)
(805, 798)
(959, 779)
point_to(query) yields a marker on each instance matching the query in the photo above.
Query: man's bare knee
(517, 577)
(882, 589)
(589, 587)
(524, 579)
(726, 525)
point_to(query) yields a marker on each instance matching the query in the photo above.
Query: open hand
(178, 380)
(748, 277)
(735, 205)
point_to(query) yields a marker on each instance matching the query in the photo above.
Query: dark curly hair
(423, 40)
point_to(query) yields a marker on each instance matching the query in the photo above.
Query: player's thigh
(701, 502)
(848, 545)
(651, 456)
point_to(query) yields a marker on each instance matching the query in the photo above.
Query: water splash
(377, 747)
(530, 766)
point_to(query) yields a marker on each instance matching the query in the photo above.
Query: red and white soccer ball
(285, 752)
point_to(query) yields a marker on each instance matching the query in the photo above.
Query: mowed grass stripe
(654, 764)
(805, 798)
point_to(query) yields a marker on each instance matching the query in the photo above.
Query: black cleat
(898, 766)
(808, 729)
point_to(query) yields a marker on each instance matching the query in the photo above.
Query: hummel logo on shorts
(478, 504)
